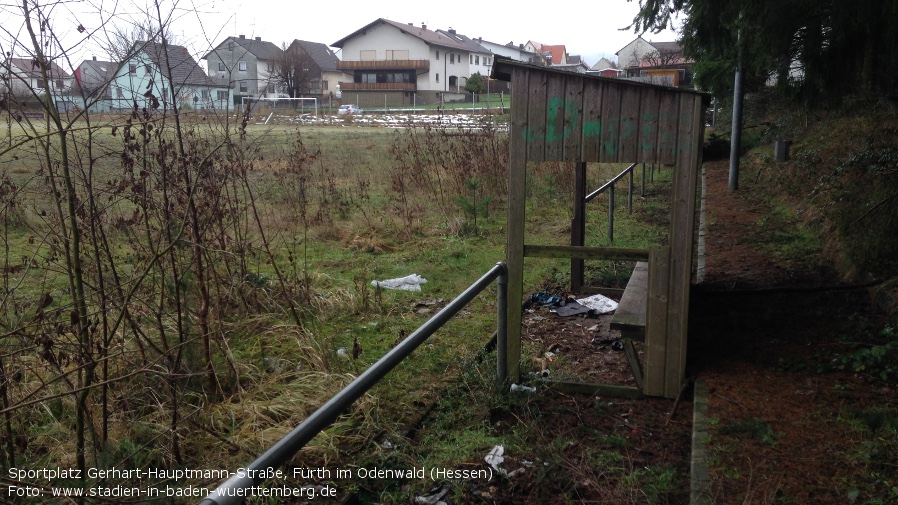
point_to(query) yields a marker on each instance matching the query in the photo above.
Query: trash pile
(591, 306)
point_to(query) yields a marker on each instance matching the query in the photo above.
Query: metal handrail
(609, 186)
(232, 491)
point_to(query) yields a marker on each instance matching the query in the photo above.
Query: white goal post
(280, 103)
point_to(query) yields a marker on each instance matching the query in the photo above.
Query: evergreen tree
(475, 84)
(837, 48)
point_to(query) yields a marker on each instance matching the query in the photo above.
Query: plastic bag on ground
(408, 283)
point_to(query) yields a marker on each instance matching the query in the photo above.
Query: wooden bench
(629, 318)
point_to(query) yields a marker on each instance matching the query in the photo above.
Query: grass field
(183, 298)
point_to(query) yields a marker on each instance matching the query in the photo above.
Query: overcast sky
(592, 30)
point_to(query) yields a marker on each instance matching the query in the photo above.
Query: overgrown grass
(299, 223)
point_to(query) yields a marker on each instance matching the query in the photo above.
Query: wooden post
(517, 195)
(656, 322)
(578, 225)
(642, 191)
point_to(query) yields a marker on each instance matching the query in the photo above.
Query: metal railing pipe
(608, 184)
(233, 490)
(502, 329)
(611, 213)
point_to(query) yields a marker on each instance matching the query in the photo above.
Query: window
(438, 77)
(132, 69)
(451, 57)
(471, 59)
(221, 66)
(222, 95)
(477, 60)
(230, 46)
(367, 55)
(438, 55)
(205, 94)
(270, 88)
(397, 54)
(164, 93)
(241, 66)
(243, 86)
(119, 93)
(324, 84)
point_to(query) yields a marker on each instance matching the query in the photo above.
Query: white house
(658, 62)
(405, 64)
(26, 78)
(149, 76)
(510, 50)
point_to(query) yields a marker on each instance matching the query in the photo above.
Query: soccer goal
(300, 105)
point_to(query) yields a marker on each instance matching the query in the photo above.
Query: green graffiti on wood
(615, 129)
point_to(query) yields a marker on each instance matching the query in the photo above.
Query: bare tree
(663, 57)
(120, 37)
(293, 71)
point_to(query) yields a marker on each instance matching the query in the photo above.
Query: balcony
(377, 86)
(419, 65)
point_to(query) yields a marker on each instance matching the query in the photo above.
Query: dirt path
(784, 426)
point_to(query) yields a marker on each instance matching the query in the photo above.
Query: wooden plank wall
(561, 116)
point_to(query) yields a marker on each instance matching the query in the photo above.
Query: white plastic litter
(495, 457)
(522, 389)
(408, 283)
(599, 303)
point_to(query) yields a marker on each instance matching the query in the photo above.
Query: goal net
(266, 105)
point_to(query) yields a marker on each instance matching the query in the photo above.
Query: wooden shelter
(578, 118)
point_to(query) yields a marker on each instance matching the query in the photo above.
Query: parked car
(349, 109)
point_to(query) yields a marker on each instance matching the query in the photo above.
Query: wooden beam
(587, 253)
(608, 390)
(656, 322)
(578, 225)
(517, 196)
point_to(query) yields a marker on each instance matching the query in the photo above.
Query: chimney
(243, 36)
(423, 26)
(258, 39)
(451, 31)
(95, 58)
